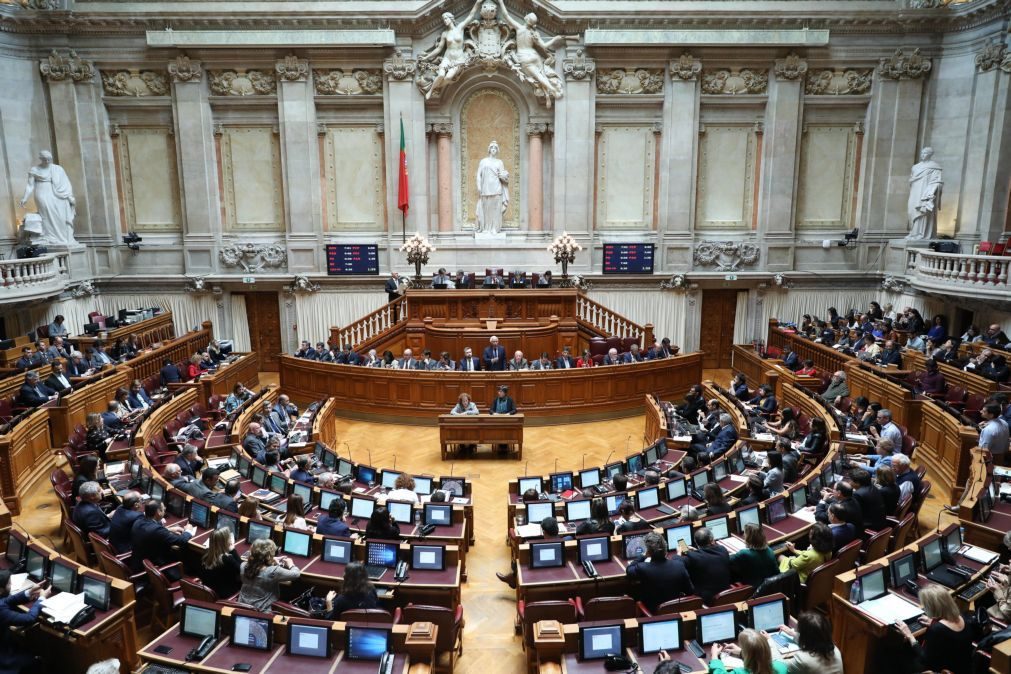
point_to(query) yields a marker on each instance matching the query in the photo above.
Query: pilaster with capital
(82, 144)
(573, 145)
(535, 175)
(679, 145)
(444, 148)
(781, 146)
(892, 124)
(405, 101)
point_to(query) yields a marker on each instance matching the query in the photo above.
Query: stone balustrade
(34, 277)
(985, 275)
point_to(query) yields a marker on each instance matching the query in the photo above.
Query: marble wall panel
(625, 176)
(726, 178)
(354, 179)
(825, 187)
(251, 172)
(150, 184)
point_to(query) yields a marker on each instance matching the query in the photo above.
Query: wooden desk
(155, 329)
(481, 429)
(244, 370)
(973, 383)
(656, 420)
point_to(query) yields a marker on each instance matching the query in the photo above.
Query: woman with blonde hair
(220, 564)
(294, 515)
(250, 508)
(262, 575)
(193, 367)
(947, 643)
(753, 648)
(97, 438)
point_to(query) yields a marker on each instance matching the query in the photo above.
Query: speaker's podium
(498, 430)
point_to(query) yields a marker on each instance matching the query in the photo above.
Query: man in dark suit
(15, 657)
(493, 281)
(765, 400)
(392, 287)
(189, 461)
(170, 373)
(469, 362)
(87, 515)
(725, 438)
(542, 363)
(151, 540)
(660, 579)
(843, 533)
(253, 443)
(58, 349)
(138, 398)
(494, 357)
(58, 380)
(634, 355)
(842, 495)
(25, 361)
(407, 362)
(33, 392)
(545, 280)
(565, 361)
(791, 359)
(111, 417)
(122, 521)
(347, 356)
(872, 505)
(77, 366)
(442, 279)
(612, 357)
(708, 566)
(890, 355)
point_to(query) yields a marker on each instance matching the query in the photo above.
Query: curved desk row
(554, 396)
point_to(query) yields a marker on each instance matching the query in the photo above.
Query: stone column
(893, 119)
(83, 148)
(574, 149)
(404, 101)
(679, 146)
(983, 202)
(198, 164)
(303, 203)
(444, 148)
(781, 146)
(535, 176)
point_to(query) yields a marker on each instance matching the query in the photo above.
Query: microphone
(451, 468)
(394, 462)
(349, 450)
(584, 462)
(556, 464)
(526, 468)
(608, 457)
(627, 441)
(369, 450)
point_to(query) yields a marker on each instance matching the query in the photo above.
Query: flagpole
(403, 227)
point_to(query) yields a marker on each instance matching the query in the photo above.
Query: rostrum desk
(481, 429)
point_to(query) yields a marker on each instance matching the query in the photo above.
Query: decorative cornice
(537, 128)
(356, 82)
(790, 68)
(399, 68)
(135, 83)
(726, 255)
(57, 68)
(898, 66)
(292, 69)
(442, 128)
(578, 68)
(182, 69)
(686, 68)
(628, 81)
(242, 82)
(994, 55)
(838, 82)
(732, 82)
(252, 257)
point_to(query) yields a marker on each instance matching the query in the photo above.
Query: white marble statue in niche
(493, 192)
(54, 200)
(924, 196)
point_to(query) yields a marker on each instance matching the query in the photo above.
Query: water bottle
(855, 592)
(417, 518)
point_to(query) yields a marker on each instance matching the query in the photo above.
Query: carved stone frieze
(792, 67)
(242, 82)
(894, 284)
(994, 55)
(135, 83)
(356, 82)
(726, 255)
(292, 69)
(182, 69)
(302, 284)
(253, 257)
(899, 66)
(442, 128)
(686, 67)
(58, 68)
(400, 68)
(627, 81)
(838, 82)
(732, 82)
(37, 4)
(537, 128)
(578, 68)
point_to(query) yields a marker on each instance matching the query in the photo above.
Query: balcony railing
(980, 274)
(33, 277)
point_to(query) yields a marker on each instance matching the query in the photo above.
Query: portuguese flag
(403, 196)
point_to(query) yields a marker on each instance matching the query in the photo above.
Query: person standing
(494, 356)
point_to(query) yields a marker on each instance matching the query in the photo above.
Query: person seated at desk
(58, 380)
(275, 422)
(445, 363)
(272, 458)
(58, 327)
(226, 499)
(999, 583)
(123, 410)
(817, 654)
(26, 360)
(806, 561)
(403, 489)
(121, 522)
(888, 427)
(111, 417)
(250, 509)
(518, 362)
(170, 373)
(332, 523)
(96, 438)
(464, 405)
(347, 356)
(99, 357)
(189, 461)
(357, 592)
(815, 443)
(841, 493)
(599, 522)
(790, 359)
(949, 353)
(300, 473)
(634, 355)
(932, 382)
(708, 565)
(493, 281)
(193, 368)
(739, 387)
(948, 642)
(726, 436)
(237, 398)
(662, 349)
(426, 362)
(305, 351)
(628, 520)
(905, 477)
(884, 453)
(494, 356)
(254, 443)
(714, 504)
(843, 532)
(870, 500)
(544, 280)
(12, 657)
(711, 422)
(294, 513)
(586, 360)
(87, 471)
(787, 426)
(205, 488)
(408, 361)
(381, 526)
(137, 398)
(807, 369)
(151, 539)
(837, 389)
(221, 565)
(774, 476)
(87, 515)
(469, 362)
(262, 575)
(612, 358)
(542, 363)
(884, 482)
(753, 649)
(443, 280)
(660, 579)
(693, 405)
(77, 366)
(765, 400)
(33, 392)
(996, 370)
(756, 492)
(756, 561)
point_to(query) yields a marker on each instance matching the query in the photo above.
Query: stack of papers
(857, 437)
(529, 530)
(890, 608)
(980, 555)
(764, 437)
(806, 514)
(63, 607)
(19, 582)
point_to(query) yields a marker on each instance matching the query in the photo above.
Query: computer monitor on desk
(311, 641)
(525, 484)
(438, 514)
(561, 482)
(336, 551)
(578, 510)
(381, 553)
(63, 575)
(647, 498)
(36, 564)
(251, 632)
(596, 643)
(389, 478)
(633, 545)
(716, 626)
(872, 584)
(677, 488)
(660, 634)
(538, 510)
(296, 543)
(719, 526)
(678, 533)
(361, 508)
(547, 555)
(428, 557)
(767, 614)
(902, 569)
(97, 591)
(366, 643)
(199, 621)
(588, 478)
(594, 549)
(746, 516)
(258, 530)
(402, 512)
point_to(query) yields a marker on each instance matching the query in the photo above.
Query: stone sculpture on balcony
(54, 201)
(924, 197)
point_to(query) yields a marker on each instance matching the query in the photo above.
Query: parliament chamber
(505, 336)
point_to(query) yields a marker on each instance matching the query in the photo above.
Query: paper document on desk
(764, 437)
(63, 607)
(1005, 488)
(730, 662)
(857, 437)
(981, 555)
(19, 582)
(733, 544)
(529, 530)
(889, 608)
(804, 514)
(681, 438)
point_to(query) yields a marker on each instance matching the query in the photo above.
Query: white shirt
(402, 495)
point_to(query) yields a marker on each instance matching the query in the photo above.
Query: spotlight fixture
(132, 241)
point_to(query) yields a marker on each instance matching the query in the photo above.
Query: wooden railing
(371, 326)
(980, 273)
(33, 276)
(611, 323)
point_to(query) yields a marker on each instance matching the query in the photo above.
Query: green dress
(716, 666)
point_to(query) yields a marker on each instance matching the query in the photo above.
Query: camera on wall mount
(132, 241)
(849, 240)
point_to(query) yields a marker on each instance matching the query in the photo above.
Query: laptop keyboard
(375, 571)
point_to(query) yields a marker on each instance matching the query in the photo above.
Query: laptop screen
(547, 555)
(336, 551)
(676, 488)
(595, 549)
(296, 543)
(577, 510)
(367, 643)
(428, 557)
(250, 632)
(381, 553)
(596, 643)
(648, 498)
(714, 627)
(768, 615)
(311, 641)
(664, 635)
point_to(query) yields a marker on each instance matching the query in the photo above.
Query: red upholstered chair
(735, 593)
(192, 588)
(607, 608)
(598, 346)
(690, 603)
(818, 589)
(372, 615)
(79, 544)
(167, 597)
(530, 613)
(848, 555)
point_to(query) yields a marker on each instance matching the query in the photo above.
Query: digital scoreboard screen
(354, 258)
(628, 258)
